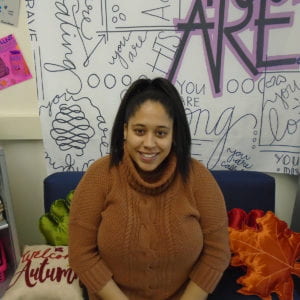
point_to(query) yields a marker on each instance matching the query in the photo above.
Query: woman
(148, 221)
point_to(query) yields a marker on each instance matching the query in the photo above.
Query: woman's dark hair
(162, 91)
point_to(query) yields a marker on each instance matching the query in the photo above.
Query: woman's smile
(148, 157)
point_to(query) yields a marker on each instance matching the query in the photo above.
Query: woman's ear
(125, 131)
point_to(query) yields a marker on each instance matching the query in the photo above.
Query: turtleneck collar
(153, 182)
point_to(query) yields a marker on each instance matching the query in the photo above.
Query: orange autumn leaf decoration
(270, 254)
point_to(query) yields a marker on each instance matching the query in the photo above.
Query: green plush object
(69, 198)
(54, 224)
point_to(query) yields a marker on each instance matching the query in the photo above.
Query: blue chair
(241, 189)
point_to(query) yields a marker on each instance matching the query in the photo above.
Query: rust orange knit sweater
(151, 237)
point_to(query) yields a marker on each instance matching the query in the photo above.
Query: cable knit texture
(152, 234)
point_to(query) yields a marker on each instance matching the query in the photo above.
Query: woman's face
(149, 135)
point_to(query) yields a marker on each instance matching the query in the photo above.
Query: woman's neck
(155, 175)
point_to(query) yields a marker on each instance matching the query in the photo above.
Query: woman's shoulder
(102, 164)
(98, 172)
(199, 170)
(202, 179)
(198, 166)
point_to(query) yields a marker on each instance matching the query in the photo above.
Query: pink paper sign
(13, 68)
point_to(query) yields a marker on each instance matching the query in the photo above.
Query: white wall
(20, 136)
(26, 171)
(286, 189)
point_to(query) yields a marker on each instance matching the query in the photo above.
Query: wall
(20, 136)
(286, 189)
(26, 170)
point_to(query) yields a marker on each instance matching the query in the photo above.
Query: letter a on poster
(13, 68)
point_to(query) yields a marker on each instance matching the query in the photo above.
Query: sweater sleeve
(215, 255)
(85, 217)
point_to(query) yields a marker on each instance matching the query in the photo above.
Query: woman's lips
(148, 157)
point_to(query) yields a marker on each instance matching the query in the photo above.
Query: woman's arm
(193, 292)
(85, 217)
(112, 292)
(215, 255)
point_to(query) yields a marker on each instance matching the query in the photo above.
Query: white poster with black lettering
(235, 64)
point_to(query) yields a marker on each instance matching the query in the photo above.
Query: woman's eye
(161, 133)
(139, 131)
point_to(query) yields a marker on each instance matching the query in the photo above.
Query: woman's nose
(149, 140)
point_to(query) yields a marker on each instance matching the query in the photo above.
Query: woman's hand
(112, 292)
(194, 292)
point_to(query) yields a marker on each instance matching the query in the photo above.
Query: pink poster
(13, 68)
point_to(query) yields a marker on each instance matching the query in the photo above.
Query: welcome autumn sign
(44, 272)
